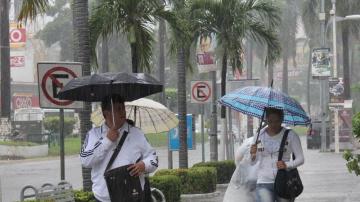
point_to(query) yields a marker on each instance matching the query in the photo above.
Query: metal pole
(323, 84)
(335, 75)
(334, 38)
(0, 192)
(62, 153)
(202, 134)
(230, 146)
(213, 129)
(170, 159)
(336, 128)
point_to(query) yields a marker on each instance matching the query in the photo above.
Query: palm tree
(182, 38)
(311, 23)
(233, 21)
(5, 59)
(287, 33)
(30, 9)
(347, 28)
(135, 19)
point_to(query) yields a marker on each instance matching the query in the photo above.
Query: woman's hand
(281, 165)
(253, 149)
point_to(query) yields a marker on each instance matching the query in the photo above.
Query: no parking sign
(201, 91)
(52, 77)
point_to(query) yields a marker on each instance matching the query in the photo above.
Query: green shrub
(356, 125)
(194, 180)
(169, 185)
(224, 169)
(83, 196)
(52, 124)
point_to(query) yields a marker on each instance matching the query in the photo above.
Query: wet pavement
(325, 176)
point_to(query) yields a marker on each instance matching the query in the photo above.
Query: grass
(72, 146)
(17, 143)
(161, 139)
(300, 130)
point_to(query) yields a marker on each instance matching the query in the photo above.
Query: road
(324, 175)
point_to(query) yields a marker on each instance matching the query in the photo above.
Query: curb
(199, 196)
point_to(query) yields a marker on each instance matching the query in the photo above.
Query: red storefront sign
(24, 100)
(17, 61)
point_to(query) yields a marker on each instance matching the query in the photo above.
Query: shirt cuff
(289, 165)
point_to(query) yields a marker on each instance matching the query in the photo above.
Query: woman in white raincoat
(243, 182)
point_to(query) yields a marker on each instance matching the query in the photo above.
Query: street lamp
(335, 73)
(333, 21)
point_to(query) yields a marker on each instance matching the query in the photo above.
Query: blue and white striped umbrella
(253, 100)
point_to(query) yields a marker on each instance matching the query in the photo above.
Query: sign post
(201, 93)
(52, 77)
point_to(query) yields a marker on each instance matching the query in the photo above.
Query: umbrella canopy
(253, 100)
(151, 116)
(94, 88)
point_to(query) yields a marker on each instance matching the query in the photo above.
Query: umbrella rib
(164, 120)
(152, 120)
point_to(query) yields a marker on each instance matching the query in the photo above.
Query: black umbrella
(94, 88)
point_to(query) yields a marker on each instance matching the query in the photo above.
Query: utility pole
(5, 59)
(323, 82)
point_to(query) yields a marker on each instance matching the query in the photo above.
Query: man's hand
(113, 134)
(281, 165)
(137, 169)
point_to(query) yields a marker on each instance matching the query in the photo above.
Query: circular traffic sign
(49, 76)
(201, 91)
(15, 35)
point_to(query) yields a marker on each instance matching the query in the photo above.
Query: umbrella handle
(112, 112)
(253, 157)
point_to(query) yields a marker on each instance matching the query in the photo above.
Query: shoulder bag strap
(282, 144)
(117, 150)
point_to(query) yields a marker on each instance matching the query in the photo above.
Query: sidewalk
(324, 175)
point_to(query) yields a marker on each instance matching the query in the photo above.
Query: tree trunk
(346, 68)
(223, 141)
(5, 59)
(270, 73)
(308, 78)
(249, 66)
(104, 55)
(134, 59)
(285, 72)
(81, 27)
(181, 96)
(162, 32)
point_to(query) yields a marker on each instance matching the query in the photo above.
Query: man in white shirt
(101, 142)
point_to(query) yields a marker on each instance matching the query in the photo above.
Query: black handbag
(287, 184)
(121, 185)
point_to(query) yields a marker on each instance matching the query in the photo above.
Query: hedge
(79, 195)
(194, 180)
(52, 124)
(225, 169)
(169, 185)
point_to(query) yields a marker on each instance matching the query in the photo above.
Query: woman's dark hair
(270, 110)
(106, 102)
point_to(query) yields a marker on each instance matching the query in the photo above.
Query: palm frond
(31, 8)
